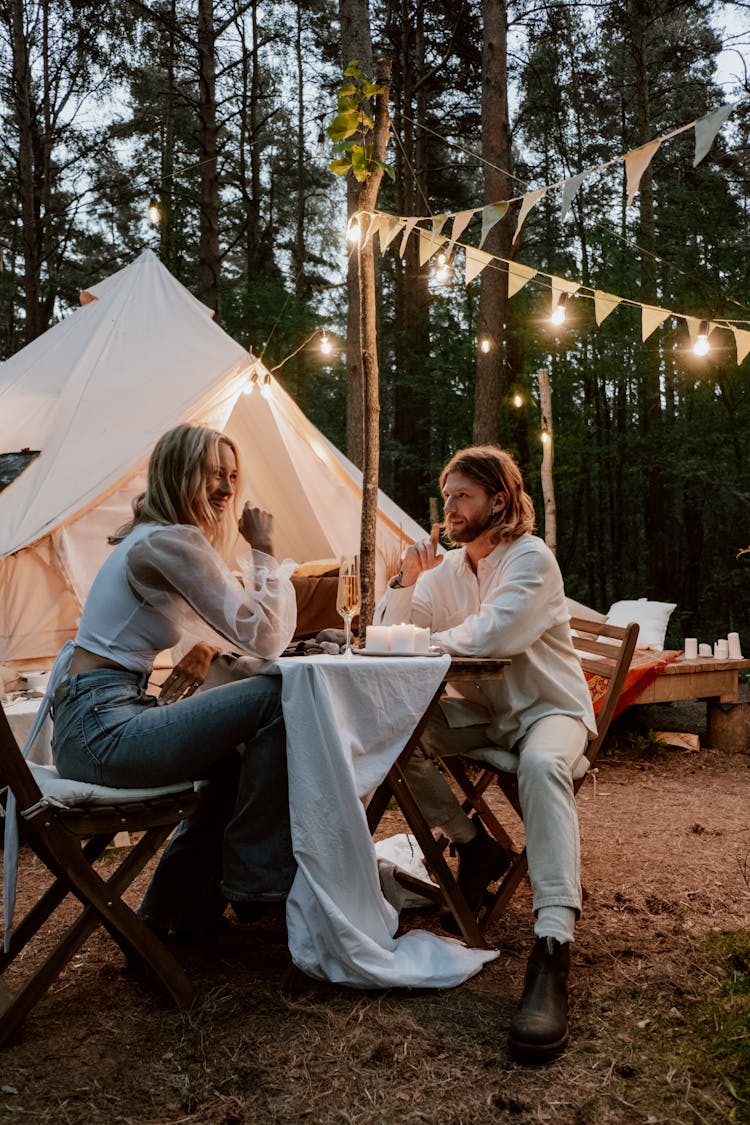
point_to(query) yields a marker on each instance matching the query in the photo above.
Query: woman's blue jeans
(108, 731)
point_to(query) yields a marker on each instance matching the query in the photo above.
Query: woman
(168, 582)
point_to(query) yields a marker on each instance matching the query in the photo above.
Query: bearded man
(500, 594)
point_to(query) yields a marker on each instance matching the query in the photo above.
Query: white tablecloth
(347, 720)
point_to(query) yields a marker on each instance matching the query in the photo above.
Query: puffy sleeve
(176, 570)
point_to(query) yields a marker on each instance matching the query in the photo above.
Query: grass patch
(721, 1029)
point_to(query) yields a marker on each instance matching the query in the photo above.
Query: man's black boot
(480, 862)
(539, 1027)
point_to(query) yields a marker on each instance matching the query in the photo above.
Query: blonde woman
(168, 582)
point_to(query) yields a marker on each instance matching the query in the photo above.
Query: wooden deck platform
(702, 678)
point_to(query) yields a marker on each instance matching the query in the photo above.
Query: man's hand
(256, 528)
(421, 556)
(189, 674)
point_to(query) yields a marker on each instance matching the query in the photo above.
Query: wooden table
(462, 669)
(716, 682)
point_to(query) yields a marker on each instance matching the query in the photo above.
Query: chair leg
(503, 895)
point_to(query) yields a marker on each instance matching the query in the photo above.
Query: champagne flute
(348, 594)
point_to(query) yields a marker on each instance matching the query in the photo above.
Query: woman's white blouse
(167, 585)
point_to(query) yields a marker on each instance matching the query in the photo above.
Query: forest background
(217, 112)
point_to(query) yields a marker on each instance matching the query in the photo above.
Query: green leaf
(342, 146)
(340, 167)
(353, 70)
(370, 89)
(360, 164)
(348, 90)
(366, 120)
(389, 170)
(343, 125)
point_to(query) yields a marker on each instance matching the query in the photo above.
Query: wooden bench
(716, 681)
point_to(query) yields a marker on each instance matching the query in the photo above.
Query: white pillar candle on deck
(704, 650)
(735, 651)
(421, 640)
(721, 649)
(402, 638)
(691, 648)
(378, 638)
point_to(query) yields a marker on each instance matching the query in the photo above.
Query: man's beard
(472, 529)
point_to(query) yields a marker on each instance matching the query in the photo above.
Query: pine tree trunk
(356, 44)
(28, 177)
(491, 378)
(210, 262)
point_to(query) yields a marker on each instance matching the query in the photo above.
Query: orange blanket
(644, 668)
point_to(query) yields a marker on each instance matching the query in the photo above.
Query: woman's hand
(256, 528)
(421, 556)
(188, 675)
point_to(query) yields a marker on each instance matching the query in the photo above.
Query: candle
(378, 638)
(721, 649)
(402, 638)
(704, 650)
(691, 647)
(735, 652)
(421, 640)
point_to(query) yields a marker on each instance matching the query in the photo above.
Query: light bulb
(517, 401)
(353, 232)
(154, 211)
(558, 313)
(701, 345)
(485, 345)
(266, 388)
(546, 439)
(441, 259)
(249, 386)
(325, 345)
(442, 273)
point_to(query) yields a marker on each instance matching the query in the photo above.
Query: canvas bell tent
(93, 394)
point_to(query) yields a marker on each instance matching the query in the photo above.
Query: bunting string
(432, 240)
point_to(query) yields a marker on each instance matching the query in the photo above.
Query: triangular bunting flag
(388, 231)
(706, 129)
(460, 223)
(529, 200)
(742, 340)
(369, 222)
(651, 318)
(438, 222)
(604, 304)
(518, 276)
(491, 214)
(693, 324)
(428, 245)
(560, 285)
(476, 260)
(636, 163)
(570, 187)
(409, 225)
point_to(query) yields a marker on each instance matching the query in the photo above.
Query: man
(501, 595)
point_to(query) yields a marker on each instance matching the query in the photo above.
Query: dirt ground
(666, 865)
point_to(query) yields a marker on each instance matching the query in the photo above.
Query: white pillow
(651, 617)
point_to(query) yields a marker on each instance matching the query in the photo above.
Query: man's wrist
(397, 582)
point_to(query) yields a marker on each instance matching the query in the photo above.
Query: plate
(394, 655)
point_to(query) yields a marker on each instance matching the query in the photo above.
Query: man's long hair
(496, 472)
(176, 485)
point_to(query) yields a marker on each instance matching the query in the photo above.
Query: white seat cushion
(508, 762)
(63, 792)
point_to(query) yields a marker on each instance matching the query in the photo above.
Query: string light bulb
(558, 313)
(325, 344)
(266, 387)
(444, 269)
(701, 345)
(249, 386)
(484, 345)
(353, 230)
(517, 400)
(154, 211)
(546, 437)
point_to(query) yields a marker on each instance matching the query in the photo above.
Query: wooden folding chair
(69, 831)
(605, 652)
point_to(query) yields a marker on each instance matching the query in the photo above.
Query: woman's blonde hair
(176, 485)
(496, 472)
